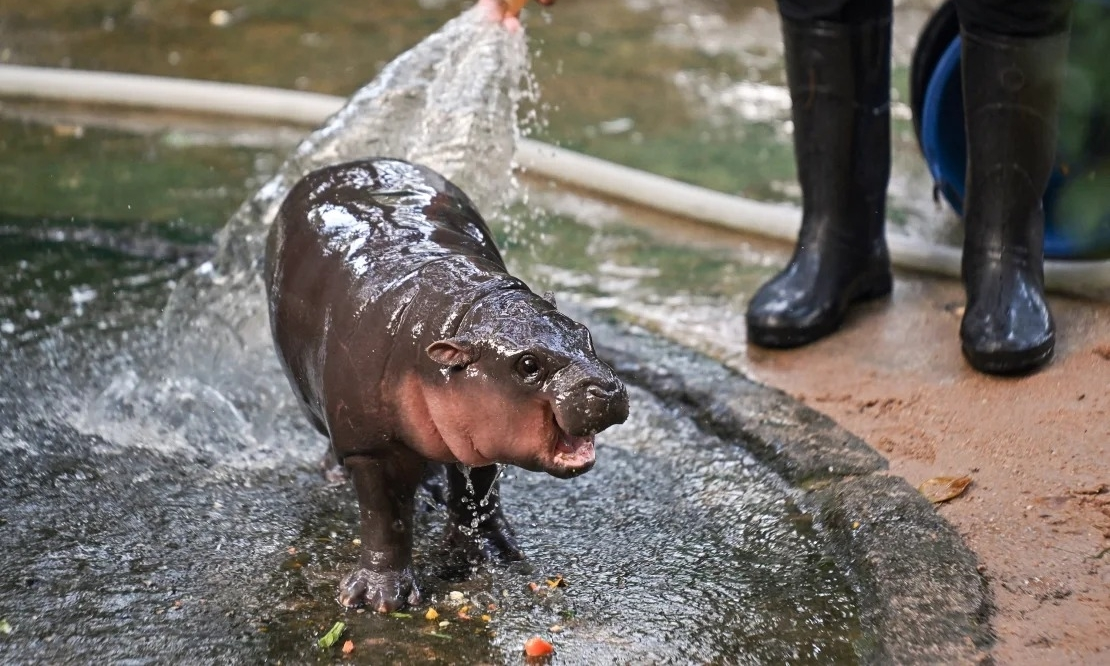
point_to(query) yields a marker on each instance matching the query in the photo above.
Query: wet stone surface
(799, 443)
(134, 555)
(676, 544)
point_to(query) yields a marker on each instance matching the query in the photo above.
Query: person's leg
(838, 71)
(1014, 53)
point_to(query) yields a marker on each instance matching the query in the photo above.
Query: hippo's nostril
(596, 391)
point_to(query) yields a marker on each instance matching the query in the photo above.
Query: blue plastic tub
(1076, 202)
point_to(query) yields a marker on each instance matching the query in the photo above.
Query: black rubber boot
(839, 77)
(1011, 93)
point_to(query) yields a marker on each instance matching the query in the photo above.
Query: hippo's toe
(384, 591)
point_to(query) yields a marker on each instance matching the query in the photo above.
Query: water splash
(451, 103)
(481, 508)
(465, 471)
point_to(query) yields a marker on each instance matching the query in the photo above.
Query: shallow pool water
(678, 547)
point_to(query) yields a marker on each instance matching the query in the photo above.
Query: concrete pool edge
(922, 598)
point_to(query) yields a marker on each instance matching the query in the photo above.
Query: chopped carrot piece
(538, 647)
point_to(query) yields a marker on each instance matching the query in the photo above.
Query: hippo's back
(355, 231)
(352, 246)
(380, 216)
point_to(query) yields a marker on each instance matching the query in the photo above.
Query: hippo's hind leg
(435, 484)
(477, 524)
(386, 487)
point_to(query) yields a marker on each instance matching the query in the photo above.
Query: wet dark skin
(411, 347)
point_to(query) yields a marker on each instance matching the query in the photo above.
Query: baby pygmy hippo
(408, 343)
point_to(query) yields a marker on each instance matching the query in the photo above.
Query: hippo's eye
(528, 367)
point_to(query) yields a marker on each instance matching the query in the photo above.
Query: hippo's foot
(492, 540)
(384, 591)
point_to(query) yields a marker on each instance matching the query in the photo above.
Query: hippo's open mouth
(572, 453)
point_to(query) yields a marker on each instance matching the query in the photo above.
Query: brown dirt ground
(1037, 448)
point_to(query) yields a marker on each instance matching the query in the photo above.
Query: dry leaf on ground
(943, 488)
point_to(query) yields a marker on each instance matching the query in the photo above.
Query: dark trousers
(1011, 18)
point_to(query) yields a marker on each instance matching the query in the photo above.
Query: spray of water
(481, 508)
(452, 103)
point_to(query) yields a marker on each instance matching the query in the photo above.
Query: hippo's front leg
(476, 517)
(385, 488)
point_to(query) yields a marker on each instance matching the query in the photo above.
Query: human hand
(513, 7)
(508, 11)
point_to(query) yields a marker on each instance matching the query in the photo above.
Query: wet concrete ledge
(921, 596)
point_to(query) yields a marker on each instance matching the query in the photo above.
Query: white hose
(619, 182)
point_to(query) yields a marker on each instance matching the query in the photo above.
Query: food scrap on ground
(943, 488)
(5, 627)
(538, 647)
(348, 647)
(551, 584)
(432, 614)
(329, 639)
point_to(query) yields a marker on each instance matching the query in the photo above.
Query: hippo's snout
(593, 406)
(610, 402)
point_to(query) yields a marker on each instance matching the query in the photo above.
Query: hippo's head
(525, 387)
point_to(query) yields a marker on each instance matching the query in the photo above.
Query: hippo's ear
(549, 296)
(453, 353)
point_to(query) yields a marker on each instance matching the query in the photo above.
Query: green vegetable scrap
(400, 615)
(5, 628)
(329, 639)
